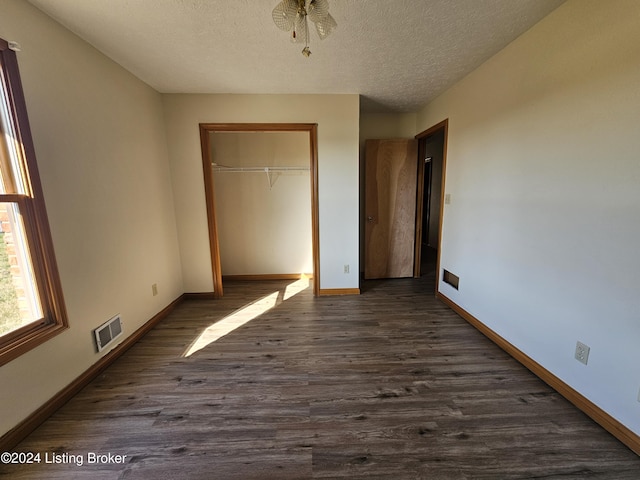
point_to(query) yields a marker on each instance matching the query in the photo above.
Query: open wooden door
(390, 207)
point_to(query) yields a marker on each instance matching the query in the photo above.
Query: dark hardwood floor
(390, 384)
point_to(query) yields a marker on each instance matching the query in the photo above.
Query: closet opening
(261, 193)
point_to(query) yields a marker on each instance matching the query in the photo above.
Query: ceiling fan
(294, 16)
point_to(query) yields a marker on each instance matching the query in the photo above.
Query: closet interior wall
(263, 206)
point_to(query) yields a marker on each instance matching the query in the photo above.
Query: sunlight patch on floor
(296, 287)
(240, 317)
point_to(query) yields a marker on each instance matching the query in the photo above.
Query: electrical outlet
(346, 269)
(639, 394)
(154, 289)
(582, 352)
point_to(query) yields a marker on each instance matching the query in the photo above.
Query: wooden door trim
(417, 254)
(212, 225)
(444, 126)
(205, 130)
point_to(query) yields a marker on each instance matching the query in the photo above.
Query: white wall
(102, 156)
(264, 220)
(337, 118)
(544, 178)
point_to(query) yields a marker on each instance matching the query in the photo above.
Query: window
(31, 305)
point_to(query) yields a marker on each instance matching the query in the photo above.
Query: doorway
(206, 131)
(432, 148)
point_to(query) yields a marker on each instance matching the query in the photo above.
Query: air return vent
(108, 332)
(450, 278)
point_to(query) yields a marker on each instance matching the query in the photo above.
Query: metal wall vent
(451, 279)
(108, 332)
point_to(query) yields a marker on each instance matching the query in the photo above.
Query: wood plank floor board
(390, 384)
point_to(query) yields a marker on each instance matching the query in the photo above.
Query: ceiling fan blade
(325, 26)
(318, 10)
(284, 14)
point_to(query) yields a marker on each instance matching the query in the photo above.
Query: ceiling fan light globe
(300, 32)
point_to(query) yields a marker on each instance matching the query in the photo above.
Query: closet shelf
(272, 172)
(222, 168)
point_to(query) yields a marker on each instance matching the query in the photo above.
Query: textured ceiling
(398, 54)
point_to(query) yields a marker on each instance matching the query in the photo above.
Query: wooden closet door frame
(205, 130)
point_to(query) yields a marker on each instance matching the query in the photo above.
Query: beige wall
(264, 220)
(337, 117)
(544, 177)
(387, 125)
(100, 144)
